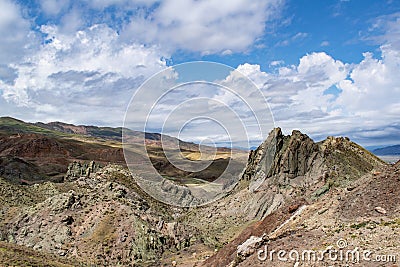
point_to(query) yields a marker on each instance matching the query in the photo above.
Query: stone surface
(78, 169)
(100, 216)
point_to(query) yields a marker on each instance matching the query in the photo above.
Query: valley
(68, 199)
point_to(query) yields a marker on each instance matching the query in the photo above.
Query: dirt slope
(365, 215)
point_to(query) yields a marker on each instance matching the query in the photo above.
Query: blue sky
(340, 28)
(325, 67)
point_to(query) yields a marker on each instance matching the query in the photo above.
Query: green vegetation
(11, 125)
(358, 226)
(394, 223)
(321, 191)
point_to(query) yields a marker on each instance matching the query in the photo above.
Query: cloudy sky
(325, 67)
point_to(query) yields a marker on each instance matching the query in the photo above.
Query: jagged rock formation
(102, 218)
(284, 158)
(293, 182)
(78, 169)
(298, 162)
(281, 154)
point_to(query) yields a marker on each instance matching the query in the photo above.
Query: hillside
(285, 173)
(364, 215)
(293, 193)
(31, 153)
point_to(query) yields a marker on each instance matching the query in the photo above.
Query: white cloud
(300, 35)
(204, 26)
(101, 4)
(84, 72)
(54, 7)
(72, 21)
(14, 31)
(297, 92)
(325, 43)
(295, 38)
(366, 101)
(385, 30)
(373, 93)
(276, 63)
(320, 69)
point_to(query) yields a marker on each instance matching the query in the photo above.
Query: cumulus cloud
(323, 96)
(14, 32)
(54, 7)
(74, 73)
(85, 60)
(204, 26)
(372, 93)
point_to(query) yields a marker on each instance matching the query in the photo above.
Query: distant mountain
(115, 134)
(30, 153)
(294, 193)
(101, 132)
(37, 152)
(61, 129)
(386, 151)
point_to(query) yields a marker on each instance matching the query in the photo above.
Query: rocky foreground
(293, 194)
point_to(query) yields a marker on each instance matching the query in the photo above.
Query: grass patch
(8, 124)
(358, 226)
(395, 223)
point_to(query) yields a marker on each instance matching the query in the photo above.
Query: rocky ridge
(100, 216)
(297, 161)
(314, 181)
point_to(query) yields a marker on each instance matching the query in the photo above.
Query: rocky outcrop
(283, 168)
(102, 220)
(78, 169)
(347, 160)
(285, 165)
(284, 157)
(295, 187)
(297, 161)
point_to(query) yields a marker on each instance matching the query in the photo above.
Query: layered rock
(293, 185)
(78, 169)
(97, 219)
(297, 161)
(283, 158)
(100, 216)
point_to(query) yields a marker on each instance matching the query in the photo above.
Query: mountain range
(68, 199)
(34, 152)
(387, 151)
